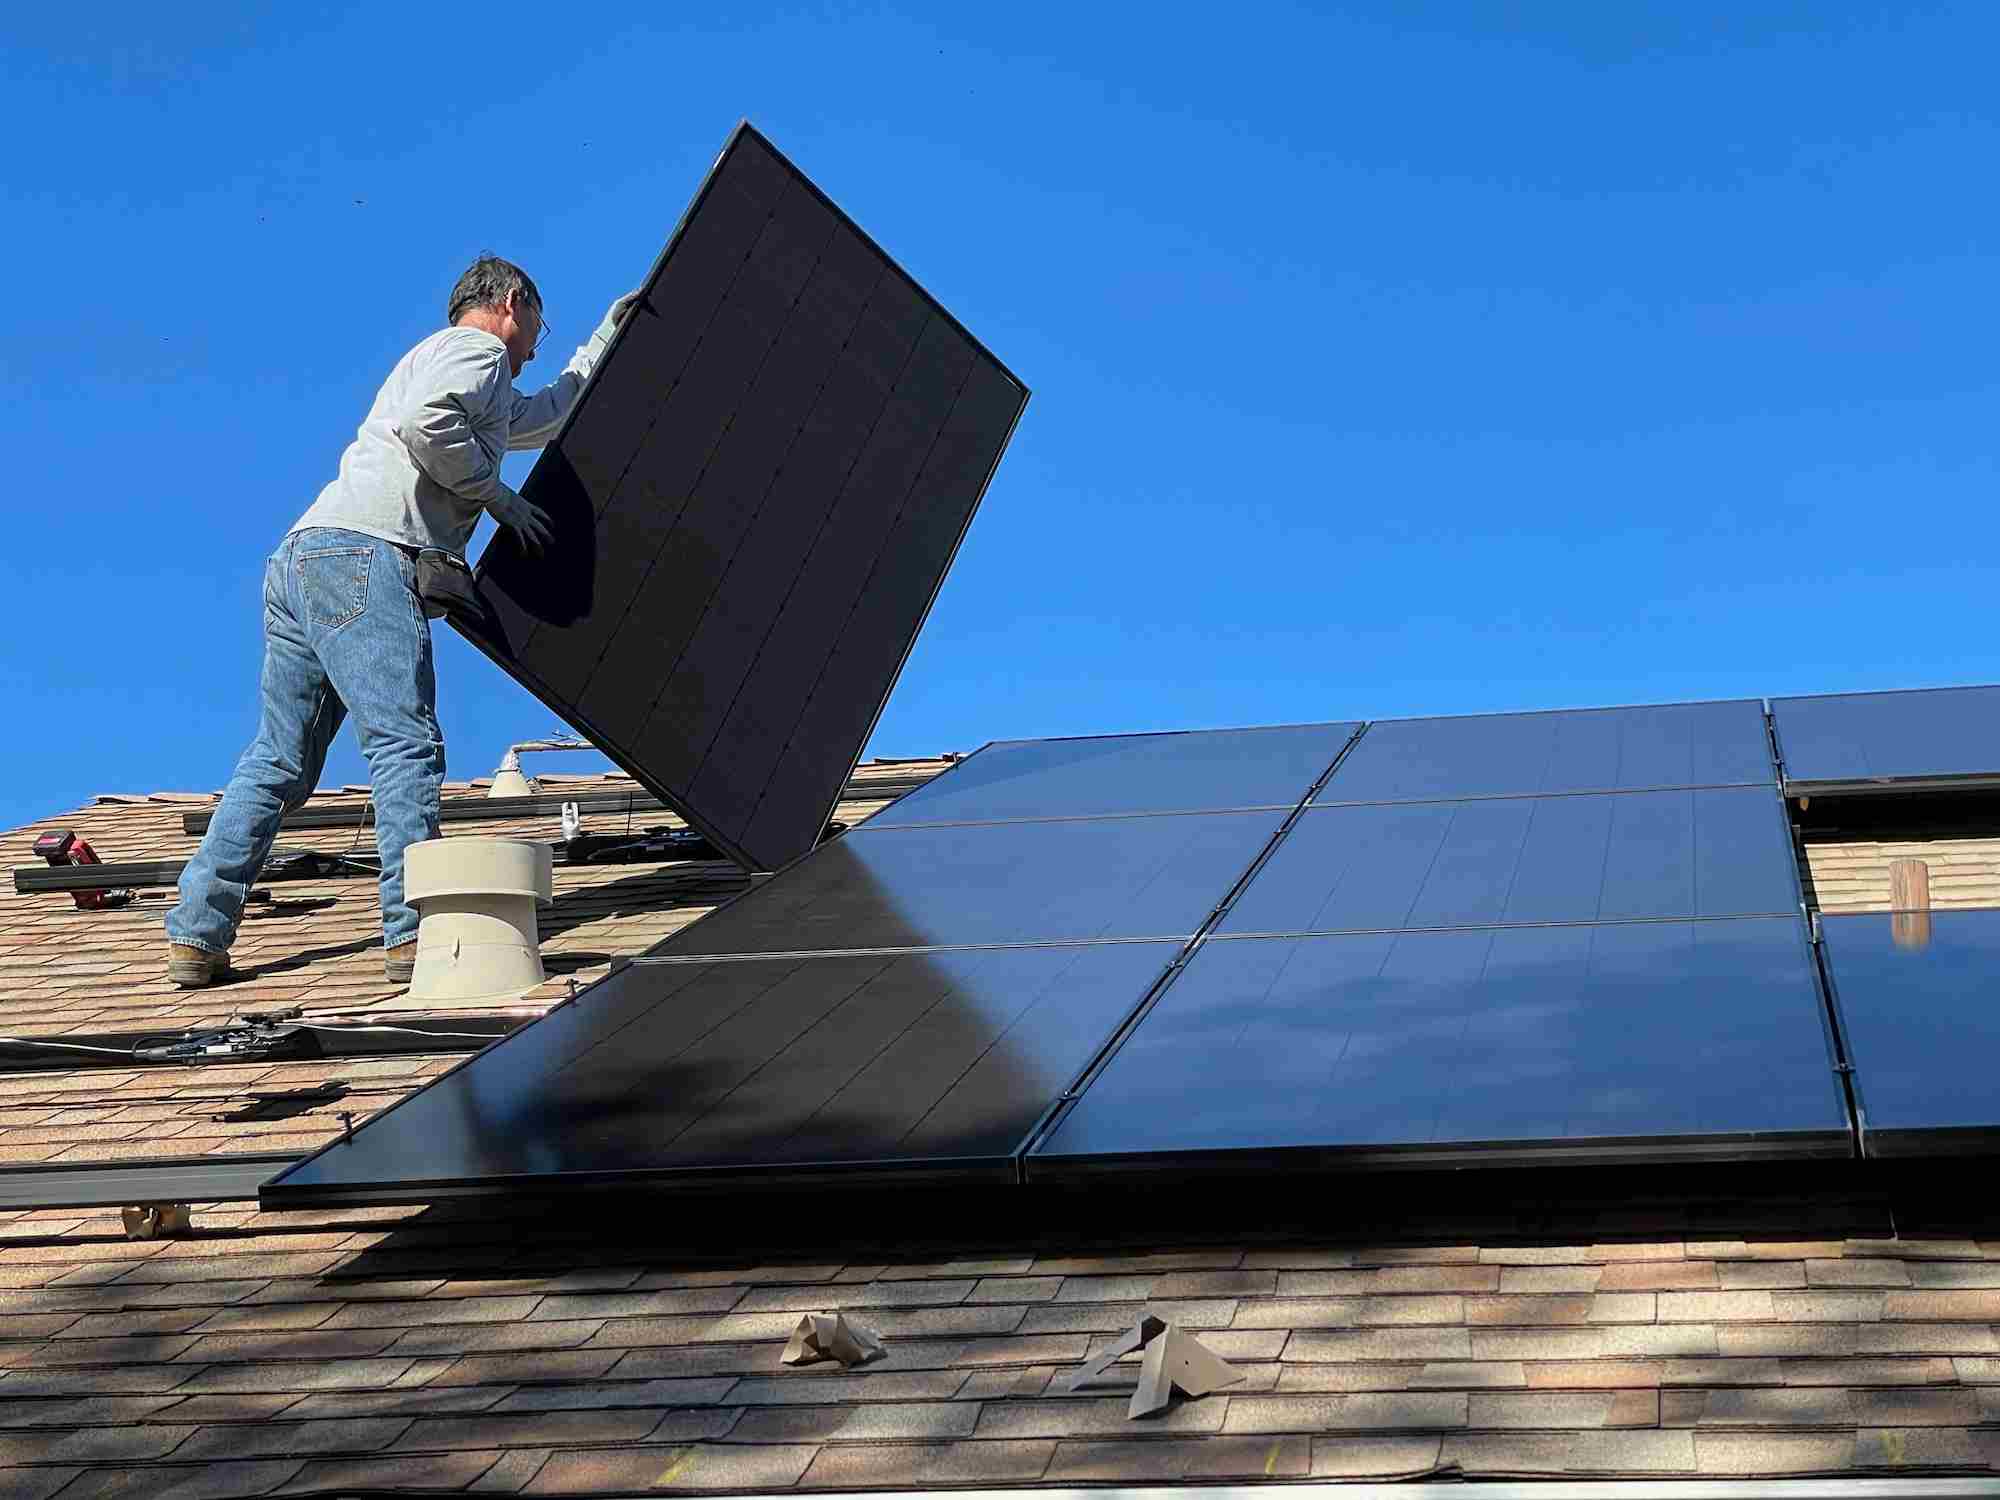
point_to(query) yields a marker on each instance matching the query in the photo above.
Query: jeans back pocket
(335, 585)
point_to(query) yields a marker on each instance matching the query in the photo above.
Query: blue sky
(1388, 358)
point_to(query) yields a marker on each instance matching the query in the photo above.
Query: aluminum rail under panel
(499, 809)
(148, 874)
(1941, 1487)
(210, 1179)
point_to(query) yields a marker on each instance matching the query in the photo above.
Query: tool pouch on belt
(444, 584)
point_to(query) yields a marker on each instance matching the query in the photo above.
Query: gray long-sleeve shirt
(427, 459)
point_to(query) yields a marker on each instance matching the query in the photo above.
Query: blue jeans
(343, 633)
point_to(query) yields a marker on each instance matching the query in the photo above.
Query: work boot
(399, 964)
(194, 968)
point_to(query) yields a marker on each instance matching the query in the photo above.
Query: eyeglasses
(542, 331)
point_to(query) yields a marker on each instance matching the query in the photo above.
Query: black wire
(28, 1041)
(37, 1101)
(408, 1030)
(362, 821)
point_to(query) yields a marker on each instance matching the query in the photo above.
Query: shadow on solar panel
(768, 1072)
(754, 503)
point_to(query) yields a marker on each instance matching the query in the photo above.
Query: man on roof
(344, 630)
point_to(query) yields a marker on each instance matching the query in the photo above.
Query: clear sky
(1389, 357)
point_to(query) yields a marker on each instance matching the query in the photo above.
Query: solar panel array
(910, 1001)
(1536, 936)
(1887, 742)
(754, 503)
(1524, 938)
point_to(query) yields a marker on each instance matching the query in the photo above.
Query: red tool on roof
(62, 848)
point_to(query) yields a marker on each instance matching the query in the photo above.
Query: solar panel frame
(799, 763)
(1922, 1034)
(1824, 741)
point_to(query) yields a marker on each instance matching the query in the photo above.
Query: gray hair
(489, 282)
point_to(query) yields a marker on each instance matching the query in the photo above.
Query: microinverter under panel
(754, 503)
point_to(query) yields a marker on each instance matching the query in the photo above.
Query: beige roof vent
(510, 781)
(478, 937)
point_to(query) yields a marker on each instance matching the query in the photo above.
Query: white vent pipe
(478, 938)
(510, 781)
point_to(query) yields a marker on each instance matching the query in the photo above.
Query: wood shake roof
(1700, 1322)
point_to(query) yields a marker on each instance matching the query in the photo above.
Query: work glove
(618, 310)
(593, 347)
(528, 521)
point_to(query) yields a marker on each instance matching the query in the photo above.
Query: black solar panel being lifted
(1883, 742)
(1915, 994)
(754, 503)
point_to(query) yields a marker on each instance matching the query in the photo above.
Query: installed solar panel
(1581, 750)
(1110, 878)
(754, 503)
(1872, 742)
(770, 1071)
(1709, 853)
(1644, 1041)
(1916, 997)
(1197, 771)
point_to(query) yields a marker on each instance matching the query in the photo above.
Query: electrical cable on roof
(361, 822)
(410, 1030)
(68, 1101)
(28, 1041)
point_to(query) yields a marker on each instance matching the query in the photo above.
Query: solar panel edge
(895, 265)
(1887, 786)
(1139, 734)
(1956, 687)
(1629, 1151)
(795, 1176)
(1595, 708)
(742, 130)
